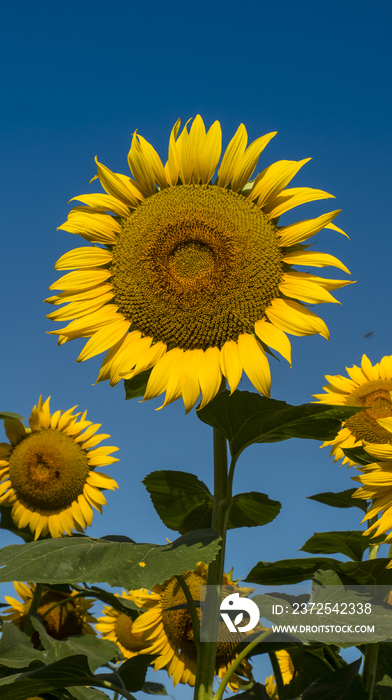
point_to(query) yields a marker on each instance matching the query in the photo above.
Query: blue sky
(78, 78)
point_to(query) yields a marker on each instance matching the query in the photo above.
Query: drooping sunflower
(169, 634)
(287, 670)
(195, 280)
(48, 474)
(70, 616)
(368, 386)
(117, 627)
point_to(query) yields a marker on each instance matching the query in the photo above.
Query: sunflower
(69, 617)
(287, 670)
(195, 280)
(48, 472)
(368, 386)
(117, 626)
(168, 633)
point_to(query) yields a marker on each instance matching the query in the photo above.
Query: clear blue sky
(77, 79)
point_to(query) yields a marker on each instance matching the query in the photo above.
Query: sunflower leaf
(287, 571)
(128, 607)
(131, 566)
(246, 418)
(352, 544)
(340, 499)
(136, 386)
(16, 648)
(5, 414)
(152, 688)
(358, 455)
(184, 503)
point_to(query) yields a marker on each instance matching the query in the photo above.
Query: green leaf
(384, 687)
(128, 607)
(287, 571)
(343, 684)
(252, 509)
(340, 499)
(88, 694)
(16, 648)
(133, 671)
(154, 688)
(350, 543)
(72, 671)
(137, 386)
(98, 651)
(181, 500)
(358, 455)
(256, 692)
(75, 559)
(184, 503)
(246, 418)
(5, 414)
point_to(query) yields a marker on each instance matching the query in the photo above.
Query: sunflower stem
(278, 676)
(222, 502)
(193, 611)
(370, 668)
(243, 655)
(28, 627)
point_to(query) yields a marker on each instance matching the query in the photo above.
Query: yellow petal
(304, 257)
(302, 230)
(173, 387)
(305, 290)
(140, 167)
(210, 151)
(78, 309)
(336, 228)
(103, 202)
(147, 359)
(255, 363)
(83, 257)
(172, 167)
(230, 364)
(81, 279)
(294, 318)
(274, 179)
(386, 367)
(115, 186)
(86, 326)
(86, 509)
(14, 430)
(101, 481)
(293, 197)
(92, 293)
(386, 423)
(249, 160)
(196, 136)
(160, 374)
(151, 156)
(274, 338)
(190, 386)
(184, 156)
(369, 371)
(104, 339)
(232, 156)
(210, 375)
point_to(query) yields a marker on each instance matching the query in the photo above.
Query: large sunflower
(365, 386)
(169, 634)
(196, 279)
(48, 472)
(69, 616)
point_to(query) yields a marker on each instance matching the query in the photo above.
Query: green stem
(243, 655)
(220, 513)
(278, 676)
(370, 668)
(193, 611)
(28, 627)
(117, 690)
(373, 548)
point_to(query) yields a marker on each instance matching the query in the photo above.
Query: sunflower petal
(255, 363)
(210, 375)
(293, 197)
(305, 257)
(294, 318)
(274, 338)
(115, 186)
(210, 151)
(302, 230)
(230, 364)
(232, 156)
(274, 179)
(249, 160)
(140, 167)
(103, 202)
(83, 257)
(104, 338)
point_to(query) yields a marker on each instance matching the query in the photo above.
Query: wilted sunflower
(169, 632)
(70, 617)
(48, 472)
(287, 670)
(366, 386)
(116, 626)
(196, 279)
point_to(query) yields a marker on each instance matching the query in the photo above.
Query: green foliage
(154, 688)
(358, 455)
(352, 543)
(136, 387)
(384, 687)
(5, 414)
(75, 559)
(16, 649)
(184, 503)
(340, 499)
(342, 684)
(256, 692)
(287, 571)
(128, 607)
(246, 418)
